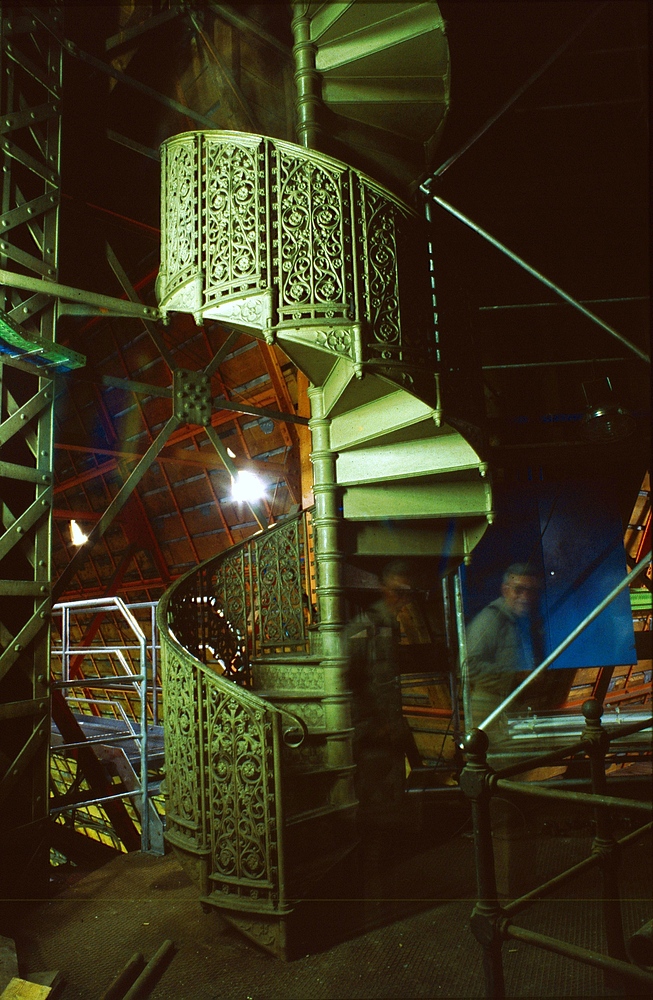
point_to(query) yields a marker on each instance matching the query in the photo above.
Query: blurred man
(381, 640)
(505, 642)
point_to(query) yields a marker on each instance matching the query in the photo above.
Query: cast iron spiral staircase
(289, 245)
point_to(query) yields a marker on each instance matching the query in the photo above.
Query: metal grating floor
(416, 900)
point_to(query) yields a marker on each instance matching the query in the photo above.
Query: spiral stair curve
(384, 75)
(294, 247)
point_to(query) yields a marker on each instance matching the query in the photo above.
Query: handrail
(555, 756)
(137, 680)
(224, 795)
(224, 744)
(492, 923)
(254, 598)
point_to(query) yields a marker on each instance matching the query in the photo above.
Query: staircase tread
(296, 694)
(310, 814)
(290, 659)
(300, 772)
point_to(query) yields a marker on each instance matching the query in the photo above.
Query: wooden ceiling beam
(181, 456)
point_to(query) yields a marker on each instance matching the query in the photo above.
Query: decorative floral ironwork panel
(184, 812)
(185, 614)
(281, 600)
(235, 234)
(311, 236)
(241, 799)
(382, 291)
(231, 585)
(180, 250)
(245, 601)
(289, 677)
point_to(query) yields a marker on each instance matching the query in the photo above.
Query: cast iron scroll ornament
(382, 287)
(181, 247)
(183, 798)
(310, 236)
(279, 577)
(232, 217)
(241, 796)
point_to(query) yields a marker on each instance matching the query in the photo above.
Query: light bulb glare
(247, 487)
(77, 536)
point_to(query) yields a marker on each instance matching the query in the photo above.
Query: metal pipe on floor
(125, 978)
(150, 970)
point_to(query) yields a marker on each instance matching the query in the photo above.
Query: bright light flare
(77, 536)
(247, 487)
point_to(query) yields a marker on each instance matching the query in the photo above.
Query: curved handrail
(252, 599)
(224, 743)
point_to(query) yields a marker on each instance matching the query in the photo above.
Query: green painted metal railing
(224, 744)
(491, 922)
(290, 244)
(254, 599)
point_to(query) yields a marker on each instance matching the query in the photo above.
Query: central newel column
(329, 559)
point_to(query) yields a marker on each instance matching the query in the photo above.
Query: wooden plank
(22, 989)
(8, 961)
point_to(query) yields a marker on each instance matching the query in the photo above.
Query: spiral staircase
(296, 248)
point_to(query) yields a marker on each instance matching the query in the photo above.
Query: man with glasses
(504, 643)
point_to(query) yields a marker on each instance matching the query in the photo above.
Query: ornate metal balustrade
(223, 795)
(284, 241)
(224, 745)
(254, 599)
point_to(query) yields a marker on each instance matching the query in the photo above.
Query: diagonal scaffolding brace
(540, 277)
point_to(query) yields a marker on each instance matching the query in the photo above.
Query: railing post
(307, 79)
(326, 529)
(604, 843)
(487, 914)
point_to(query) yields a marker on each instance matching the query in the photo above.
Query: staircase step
(386, 414)
(356, 39)
(289, 694)
(292, 659)
(416, 499)
(419, 457)
(312, 815)
(319, 772)
(325, 15)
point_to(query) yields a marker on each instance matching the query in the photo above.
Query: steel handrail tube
(479, 782)
(542, 760)
(93, 682)
(107, 738)
(604, 844)
(523, 902)
(581, 798)
(557, 755)
(584, 955)
(93, 802)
